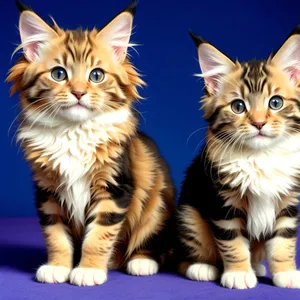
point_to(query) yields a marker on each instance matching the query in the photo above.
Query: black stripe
(219, 127)
(245, 70)
(41, 196)
(57, 60)
(117, 78)
(86, 53)
(294, 118)
(265, 69)
(263, 85)
(248, 85)
(71, 52)
(242, 89)
(109, 219)
(33, 80)
(65, 58)
(229, 213)
(47, 220)
(224, 234)
(214, 116)
(290, 211)
(287, 233)
(41, 92)
(89, 220)
(296, 101)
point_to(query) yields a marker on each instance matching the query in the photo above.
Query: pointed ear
(118, 31)
(34, 33)
(288, 56)
(214, 64)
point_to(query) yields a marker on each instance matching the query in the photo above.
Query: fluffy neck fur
(263, 177)
(70, 152)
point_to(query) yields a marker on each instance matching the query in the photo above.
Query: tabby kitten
(101, 185)
(239, 198)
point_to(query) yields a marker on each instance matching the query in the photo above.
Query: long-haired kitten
(101, 185)
(239, 198)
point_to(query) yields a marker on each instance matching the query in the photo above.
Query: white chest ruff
(72, 153)
(264, 178)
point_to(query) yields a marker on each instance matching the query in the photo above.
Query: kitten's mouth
(260, 135)
(77, 106)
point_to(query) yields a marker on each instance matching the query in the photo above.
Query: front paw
(288, 279)
(142, 267)
(202, 272)
(52, 274)
(239, 280)
(88, 276)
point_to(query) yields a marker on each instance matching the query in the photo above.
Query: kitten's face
(75, 75)
(257, 107)
(254, 104)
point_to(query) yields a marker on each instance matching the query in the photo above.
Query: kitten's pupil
(97, 75)
(276, 102)
(59, 74)
(238, 106)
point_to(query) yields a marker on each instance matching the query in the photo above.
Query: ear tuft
(197, 39)
(132, 8)
(22, 7)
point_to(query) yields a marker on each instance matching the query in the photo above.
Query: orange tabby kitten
(101, 186)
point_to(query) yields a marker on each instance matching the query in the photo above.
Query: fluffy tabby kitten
(238, 200)
(100, 183)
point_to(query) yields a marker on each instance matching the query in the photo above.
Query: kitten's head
(257, 103)
(74, 75)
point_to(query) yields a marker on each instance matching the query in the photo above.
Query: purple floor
(22, 251)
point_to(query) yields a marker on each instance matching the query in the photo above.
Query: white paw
(87, 276)
(202, 272)
(52, 274)
(288, 279)
(239, 280)
(142, 267)
(260, 270)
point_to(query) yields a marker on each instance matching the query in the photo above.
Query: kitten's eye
(59, 74)
(238, 106)
(97, 75)
(275, 103)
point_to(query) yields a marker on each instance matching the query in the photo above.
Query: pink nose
(78, 94)
(258, 125)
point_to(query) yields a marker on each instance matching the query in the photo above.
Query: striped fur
(239, 198)
(101, 185)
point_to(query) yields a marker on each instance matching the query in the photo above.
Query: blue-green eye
(59, 74)
(276, 102)
(97, 75)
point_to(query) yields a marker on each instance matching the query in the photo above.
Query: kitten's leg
(58, 242)
(234, 250)
(257, 256)
(151, 237)
(281, 250)
(196, 250)
(156, 251)
(105, 222)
